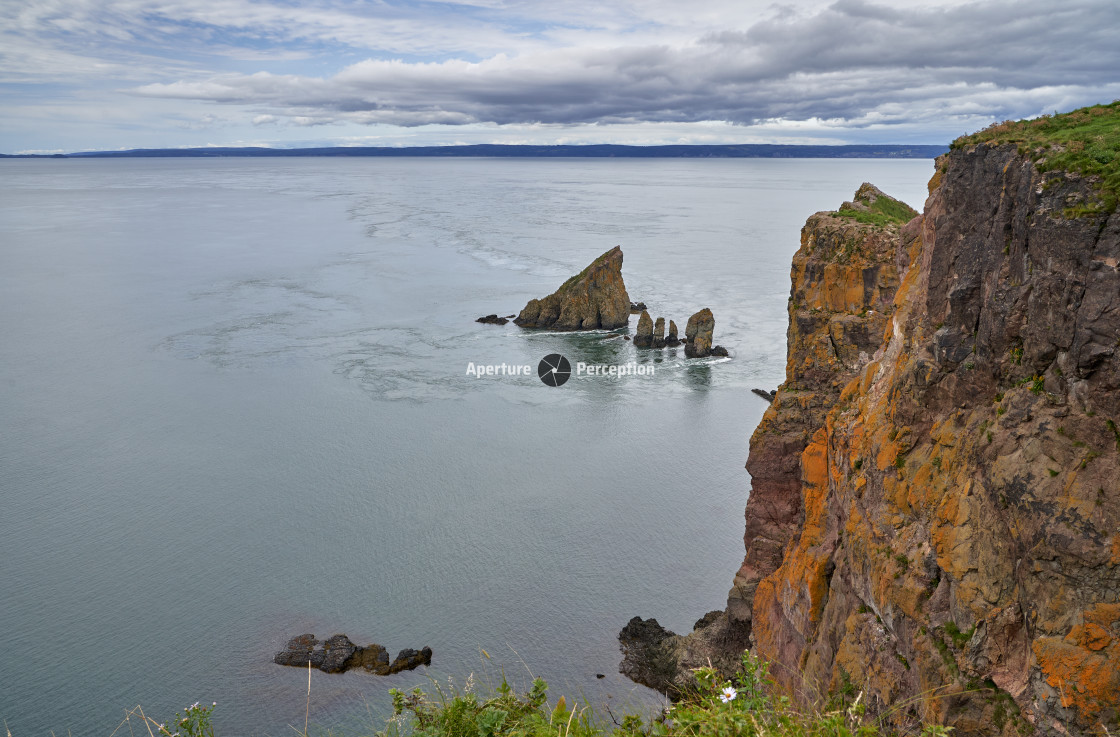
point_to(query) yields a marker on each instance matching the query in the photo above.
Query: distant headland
(488, 150)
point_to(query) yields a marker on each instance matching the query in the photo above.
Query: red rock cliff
(935, 508)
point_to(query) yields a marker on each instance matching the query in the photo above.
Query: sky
(78, 75)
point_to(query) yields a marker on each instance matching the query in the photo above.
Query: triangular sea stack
(594, 298)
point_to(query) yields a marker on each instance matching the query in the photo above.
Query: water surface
(234, 407)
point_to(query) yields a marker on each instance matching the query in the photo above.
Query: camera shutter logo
(554, 370)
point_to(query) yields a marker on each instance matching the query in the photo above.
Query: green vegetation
(960, 639)
(883, 211)
(1085, 141)
(744, 706)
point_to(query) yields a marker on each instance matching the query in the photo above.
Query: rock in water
(299, 650)
(672, 340)
(644, 337)
(594, 298)
(492, 320)
(659, 333)
(649, 655)
(636, 307)
(337, 654)
(698, 334)
(408, 659)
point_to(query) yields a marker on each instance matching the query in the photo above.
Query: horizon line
(532, 150)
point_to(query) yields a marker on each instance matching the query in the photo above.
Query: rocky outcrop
(934, 517)
(594, 298)
(492, 320)
(659, 333)
(643, 338)
(958, 540)
(698, 334)
(337, 654)
(637, 307)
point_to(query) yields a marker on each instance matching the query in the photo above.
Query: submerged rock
(644, 337)
(718, 350)
(337, 654)
(594, 298)
(492, 320)
(698, 334)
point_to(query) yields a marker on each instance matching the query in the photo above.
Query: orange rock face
(935, 507)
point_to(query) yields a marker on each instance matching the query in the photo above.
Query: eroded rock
(643, 338)
(594, 298)
(671, 340)
(698, 334)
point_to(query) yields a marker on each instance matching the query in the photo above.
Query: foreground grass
(745, 706)
(1086, 141)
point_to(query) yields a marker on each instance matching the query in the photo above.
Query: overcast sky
(110, 74)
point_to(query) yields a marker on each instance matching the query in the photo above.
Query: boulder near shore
(338, 654)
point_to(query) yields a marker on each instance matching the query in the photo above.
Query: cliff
(934, 517)
(594, 298)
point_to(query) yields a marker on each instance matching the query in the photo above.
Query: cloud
(609, 70)
(856, 62)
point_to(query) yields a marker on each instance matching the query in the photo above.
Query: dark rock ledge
(337, 654)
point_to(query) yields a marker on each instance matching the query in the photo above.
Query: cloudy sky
(110, 74)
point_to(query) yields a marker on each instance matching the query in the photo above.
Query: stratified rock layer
(594, 298)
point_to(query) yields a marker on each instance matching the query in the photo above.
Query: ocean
(236, 406)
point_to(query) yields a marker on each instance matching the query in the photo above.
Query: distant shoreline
(604, 151)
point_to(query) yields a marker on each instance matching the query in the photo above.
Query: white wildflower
(728, 694)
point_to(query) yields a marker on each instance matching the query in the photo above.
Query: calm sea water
(234, 407)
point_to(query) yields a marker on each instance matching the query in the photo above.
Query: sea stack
(595, 298)
(644, 337)
(698, 334)
(672, 340)
(659, 333)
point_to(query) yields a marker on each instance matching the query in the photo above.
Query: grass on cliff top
(1085, 141)
(744, 706)
(883, 211)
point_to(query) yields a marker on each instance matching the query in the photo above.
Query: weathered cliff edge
(934, 516)
(594, 298)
